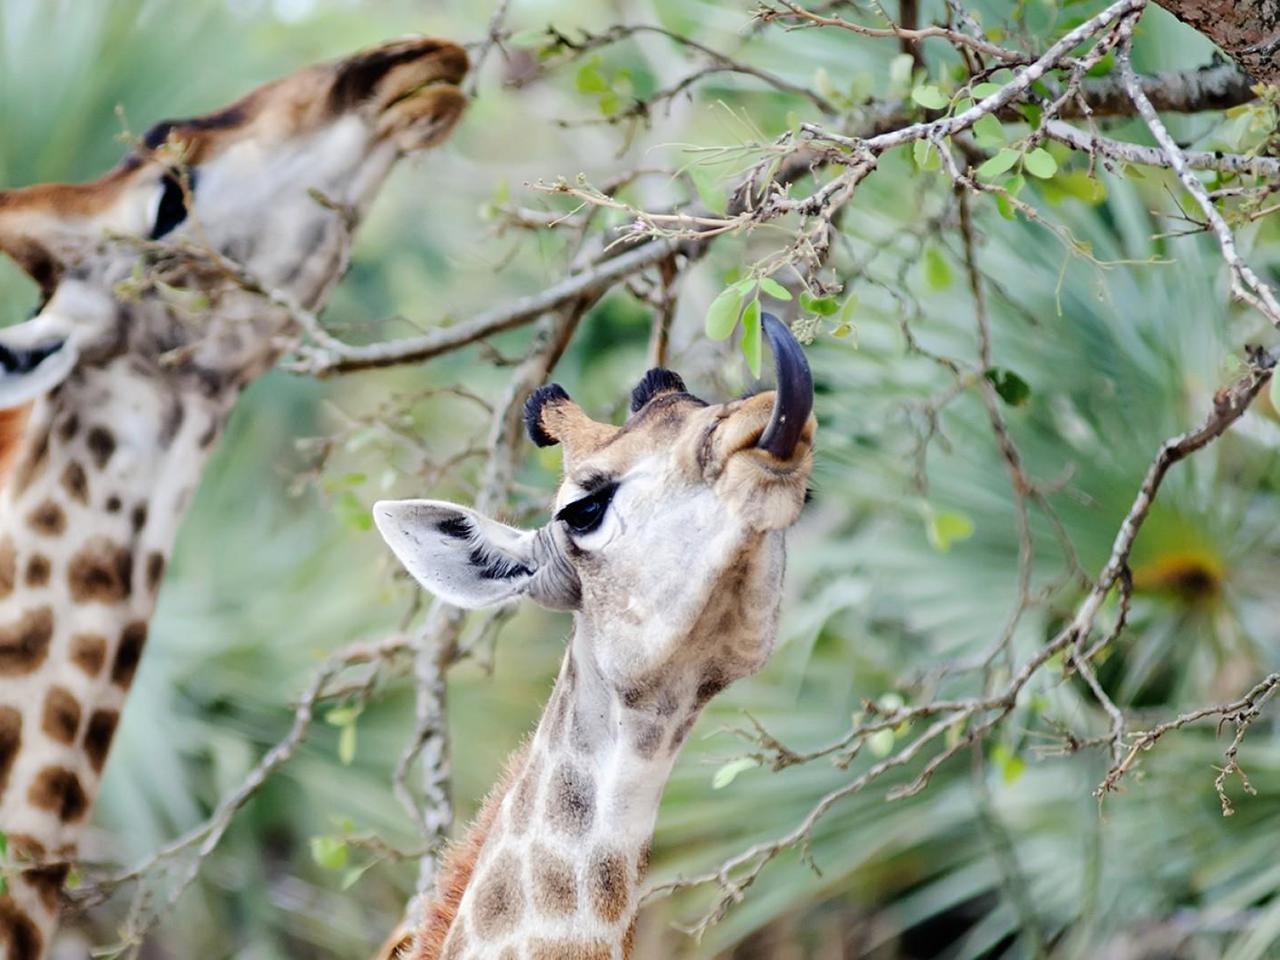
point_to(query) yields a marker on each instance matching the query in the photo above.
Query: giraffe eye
(586, 514)
(172, 208)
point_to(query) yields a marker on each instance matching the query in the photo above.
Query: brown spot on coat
(75, 482)
(68, 428)
(607, 885)
(646, 738)
(570, 802)
(61, 719)
(13, 425)
(102, 444)
(38, 570)
(8, 566)
(499, 900)
(47, 882)
(712, 682)
(540, 949)
(114, 504)
(89, 652)
(155, 570)
(58, 790)
(132, 639)
(98, 735)
(139, 517)
(18, 932)
(555, 886)
(25, 644)
(525, 796)
(102, 571)
(47, 519)
(10, 743)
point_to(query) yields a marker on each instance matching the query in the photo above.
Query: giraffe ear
(461, 556)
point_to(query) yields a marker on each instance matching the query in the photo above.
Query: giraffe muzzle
(793, 400)
(33, 360)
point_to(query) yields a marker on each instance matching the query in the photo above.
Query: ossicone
(550, 393)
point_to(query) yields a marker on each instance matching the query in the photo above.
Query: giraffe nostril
(26, 360)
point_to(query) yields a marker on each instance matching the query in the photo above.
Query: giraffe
(114, 393)
(667, 543)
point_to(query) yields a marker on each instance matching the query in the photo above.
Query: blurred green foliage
(900, 566)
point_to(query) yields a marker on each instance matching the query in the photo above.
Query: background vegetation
(904, 564)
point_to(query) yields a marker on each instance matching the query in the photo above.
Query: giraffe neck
(562, 849)
(90, 502)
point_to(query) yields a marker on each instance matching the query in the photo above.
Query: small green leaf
(342, 716)
(1005, 207)
(900, 68)
(710, 190)
(1040, 163)
(848, 308)
(947, 527)
(1012, 389)
(331, 853)
(937, 272)
(1002, 161)
(984, 90)
(1010, 765)
(590, 79)
(729, 772)
(722, 315)
(352, 876)
(930, 97)
(843, 330)
(751, 336)
(1104, 66)
(610, 103)
(926, 155)
(989, 132)
(880, 743)
(822, 306)
(347, 745)
(774, 289)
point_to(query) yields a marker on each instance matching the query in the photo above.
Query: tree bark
(1248, 31)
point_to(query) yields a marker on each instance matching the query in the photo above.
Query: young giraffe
(111, 403)
(668, 545)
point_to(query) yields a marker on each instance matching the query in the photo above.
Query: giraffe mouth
(34, 359)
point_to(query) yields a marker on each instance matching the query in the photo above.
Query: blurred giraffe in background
(668, 544)
(114, 393)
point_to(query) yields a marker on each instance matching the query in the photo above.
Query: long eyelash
(604, 494)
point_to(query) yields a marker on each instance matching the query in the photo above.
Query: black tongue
(794, 399)
(26, 360)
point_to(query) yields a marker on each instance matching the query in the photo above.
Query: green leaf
(937, 272)
(900, 68)
(590, 79)
(352, 512)
(843, 330)
(1040, 163)
(1104, 66)
(347, 745)
(926, 155)
(848, 308)
(774, 289)
(1005, 207)
(930, 97)
(342, 716)
(751, 336)
(1012, 389)
(880, 743)
(331, 853)
(989, 132)
(729, 772)
(722, 315)
(1002, 161)
(610, 103)
(352, 876)
(986, 89)
(528, 39)
(1010, 765)
(946, 528)
(710, 190)
(822, 306)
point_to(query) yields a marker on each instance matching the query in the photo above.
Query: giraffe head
(275, 182)
(667, 532)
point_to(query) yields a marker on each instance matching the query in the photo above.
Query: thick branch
(1248, 31)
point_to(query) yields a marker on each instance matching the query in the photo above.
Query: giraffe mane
(457, 870)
